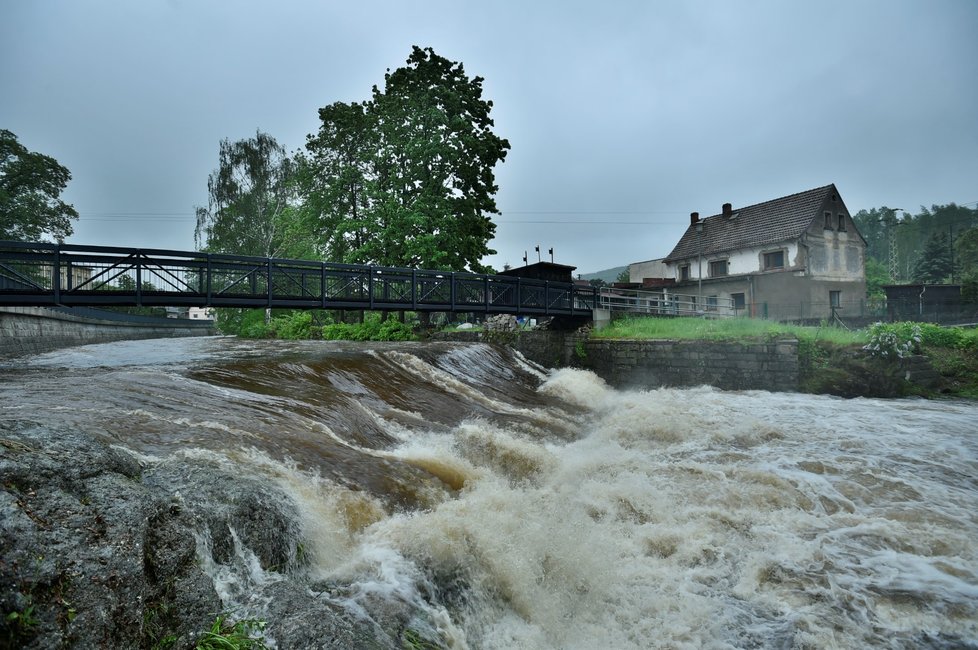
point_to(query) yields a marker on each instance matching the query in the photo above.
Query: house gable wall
(834, 254)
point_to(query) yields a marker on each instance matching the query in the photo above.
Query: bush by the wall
(371, 329)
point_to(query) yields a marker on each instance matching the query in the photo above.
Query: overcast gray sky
(623, 116)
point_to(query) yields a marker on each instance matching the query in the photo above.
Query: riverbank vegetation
(299, 325)
(872, 362)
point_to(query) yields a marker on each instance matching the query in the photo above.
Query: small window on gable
(842, 221)
(774, 260)
(828, 221)
(718, 268)
(684, 272)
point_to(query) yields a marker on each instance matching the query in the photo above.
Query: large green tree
(335, 178)
(407, 178)
(251, 207)
(934, 264)
(30, 194)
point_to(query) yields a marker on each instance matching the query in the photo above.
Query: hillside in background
(608, 275)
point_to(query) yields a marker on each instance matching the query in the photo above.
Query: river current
(523, 508)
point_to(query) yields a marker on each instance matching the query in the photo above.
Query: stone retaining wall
(31, 330)
(723, 364)
(655, 363)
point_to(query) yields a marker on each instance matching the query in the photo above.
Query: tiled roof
(770, 222)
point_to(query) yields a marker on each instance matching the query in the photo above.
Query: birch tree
(251, 200)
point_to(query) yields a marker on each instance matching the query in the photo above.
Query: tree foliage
(910, 233)
(934, 264)
(877, 276)
(30, 190)
(251, 208)
(966, 251)
(406, 178)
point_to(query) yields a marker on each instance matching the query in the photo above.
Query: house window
(842, 221)
(738, 301)
(774, 260)
(718, 268)
(835, 298)
(711, 303)
(828, 221)
(684, 272)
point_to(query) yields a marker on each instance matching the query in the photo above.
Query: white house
(795, 257)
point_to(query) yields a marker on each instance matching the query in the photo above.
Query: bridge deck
(43, 274)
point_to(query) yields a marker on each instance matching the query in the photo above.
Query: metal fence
(856, 313)
(636, 302)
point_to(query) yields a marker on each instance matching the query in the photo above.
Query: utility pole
(891, 243)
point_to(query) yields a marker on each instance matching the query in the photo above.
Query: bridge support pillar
(601, 318)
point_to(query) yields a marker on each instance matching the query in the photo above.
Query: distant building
(200, 313)
(922, 301)
(795, 257)
(80, 275)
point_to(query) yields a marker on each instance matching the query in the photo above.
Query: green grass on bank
(723, 330)
(837, 361)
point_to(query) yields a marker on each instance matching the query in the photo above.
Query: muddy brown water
(579, 516)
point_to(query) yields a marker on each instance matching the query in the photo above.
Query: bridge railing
(664, 303)
(72, 275)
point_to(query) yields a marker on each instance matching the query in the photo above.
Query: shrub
(893, 341)
(296, 325)
(371, 329)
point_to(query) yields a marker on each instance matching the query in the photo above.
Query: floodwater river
(524, 508)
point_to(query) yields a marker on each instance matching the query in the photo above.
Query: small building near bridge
(543, 271)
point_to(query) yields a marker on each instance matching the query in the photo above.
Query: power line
(185, 216)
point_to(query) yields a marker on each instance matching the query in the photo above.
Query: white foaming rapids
(707, 519)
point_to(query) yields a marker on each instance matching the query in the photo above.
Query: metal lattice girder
(49, 274)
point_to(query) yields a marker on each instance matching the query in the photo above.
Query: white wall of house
(637, 271)
(739, 262)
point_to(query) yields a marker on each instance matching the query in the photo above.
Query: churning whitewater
(504, 506)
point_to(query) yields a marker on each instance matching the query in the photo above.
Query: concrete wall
(656, 363)
(31, 330)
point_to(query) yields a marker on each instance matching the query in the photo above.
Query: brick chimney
(694, 218)
(727, 209)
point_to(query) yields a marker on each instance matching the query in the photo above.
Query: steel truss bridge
(44, 274)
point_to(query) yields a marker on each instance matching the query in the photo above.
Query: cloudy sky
(623, 117)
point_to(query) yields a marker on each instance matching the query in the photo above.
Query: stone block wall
(726, 365)
(32, 330)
